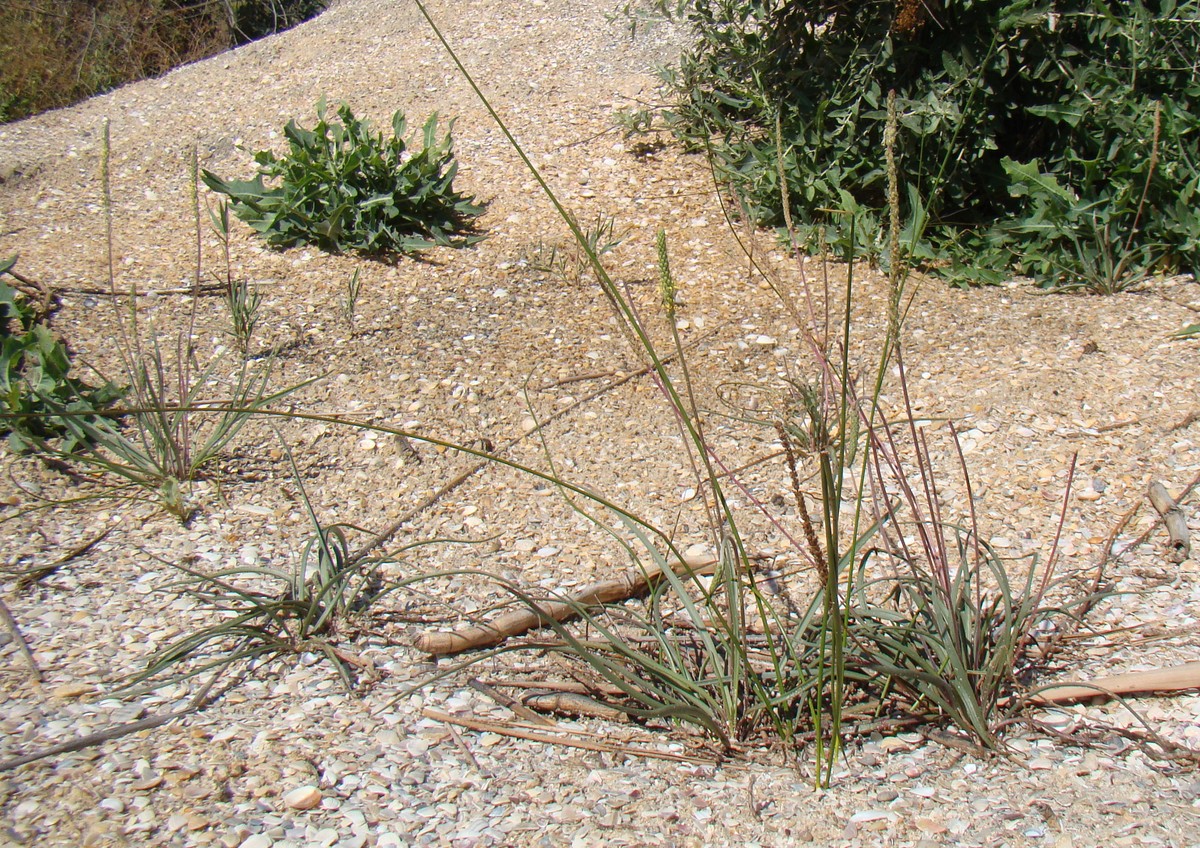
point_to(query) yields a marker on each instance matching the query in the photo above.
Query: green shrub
(36, 388)
(343, 187)
(1057, 138)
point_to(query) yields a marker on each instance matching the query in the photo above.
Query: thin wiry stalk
(736, 564)
(940, 636)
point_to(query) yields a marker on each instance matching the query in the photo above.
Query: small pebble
(303, 798)
(146, 783)
(325, 837)
(197, 822)
(73, 690)
(416, 747)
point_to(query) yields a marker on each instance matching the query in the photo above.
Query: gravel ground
(473, 346)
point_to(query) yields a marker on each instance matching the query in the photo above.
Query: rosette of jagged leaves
(343, 187)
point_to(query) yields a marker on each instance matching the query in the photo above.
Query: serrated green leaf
(1027, 180)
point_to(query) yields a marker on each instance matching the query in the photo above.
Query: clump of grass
(912, 615)
(913, 619)
(348, 305)
(174, 426)
(267, 613)
(243, 298)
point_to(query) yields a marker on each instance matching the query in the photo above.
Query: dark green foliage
(343, 187)
(35, 386)
(252, 19)
(1059, 139)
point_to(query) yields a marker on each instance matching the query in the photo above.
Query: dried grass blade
(569, 741)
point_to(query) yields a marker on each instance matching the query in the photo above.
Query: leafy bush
(1056, 137)
(343, 187)
(35, 382)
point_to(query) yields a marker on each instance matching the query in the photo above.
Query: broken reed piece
(629, 585)
(1178, 678)
(573, 705)
(1175, 521)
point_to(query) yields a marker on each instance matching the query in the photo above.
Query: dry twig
(1176, 679)
(1174, 519)
(628, 585)
(503, 700)
(572, 704)
(22, 645)
(116, 732)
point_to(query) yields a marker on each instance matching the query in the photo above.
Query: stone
(303, 798)
(73, 690)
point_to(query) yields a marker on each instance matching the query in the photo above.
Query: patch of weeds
(348, 305)
(242, 297)
(1072, 243)
(39, 399)
(568, 261)
(911, 617)
(647, 123)
(173, 426)
(343, 187)
(58, 52)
